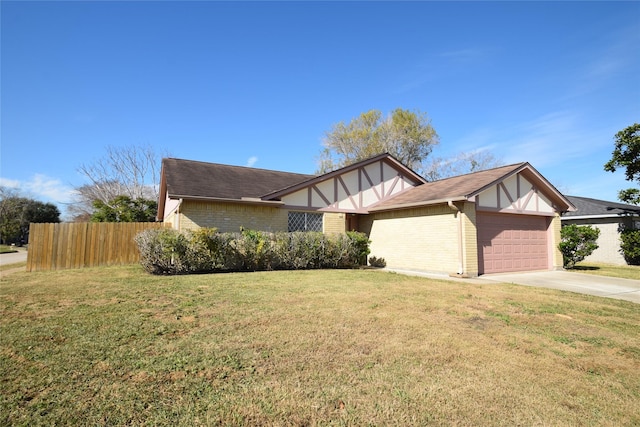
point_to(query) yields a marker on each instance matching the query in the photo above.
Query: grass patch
(14, 266)
(351, 347)
(621, 271)
(5, 249)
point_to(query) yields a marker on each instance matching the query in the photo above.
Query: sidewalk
(14, 257)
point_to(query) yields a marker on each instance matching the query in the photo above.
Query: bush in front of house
(167, 251)
(577, 243)
(377, 262)
(630, 246)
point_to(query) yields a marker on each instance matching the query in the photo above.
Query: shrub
(163, 251)
(360, 244)
(167, 251)
(630, 246)
(578, 242)
(377, 262)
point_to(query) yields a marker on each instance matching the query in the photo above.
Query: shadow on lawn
(585, 268)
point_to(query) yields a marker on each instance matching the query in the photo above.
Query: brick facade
(333, 223)
(470, 239)
(554, 241)
(229, 217)
(608, 251)
(405, 237)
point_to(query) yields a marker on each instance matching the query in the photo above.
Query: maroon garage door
(512, 243)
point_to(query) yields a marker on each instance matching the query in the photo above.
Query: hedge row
(168, 251)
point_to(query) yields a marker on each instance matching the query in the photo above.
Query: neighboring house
(500, 220)
(610, 218)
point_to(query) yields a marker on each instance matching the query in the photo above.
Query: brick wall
(421, 238)
(608, 243)
(333, 223)
(554, 237)
(470, 241)
(228, 217)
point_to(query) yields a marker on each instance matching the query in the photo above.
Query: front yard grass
(115, 346)
(6, 249)
(622, 271)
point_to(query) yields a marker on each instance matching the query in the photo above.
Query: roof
(587, 207)
(189, 179)
(385, 157)
(194, 179)
(456, 188)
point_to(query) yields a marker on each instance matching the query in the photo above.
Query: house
(499, 220)
(610, 218)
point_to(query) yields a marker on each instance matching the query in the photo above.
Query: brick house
(500, 220)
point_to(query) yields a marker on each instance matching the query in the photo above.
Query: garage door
(512, 243)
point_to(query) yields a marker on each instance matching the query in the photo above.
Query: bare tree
(460, 164)
(132, 171)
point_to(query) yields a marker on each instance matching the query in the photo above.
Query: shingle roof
(457, 187)
(594, 207)
(188, 178)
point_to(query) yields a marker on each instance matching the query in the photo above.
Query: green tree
(630, 246)
(407, 135)
(626, 154)
(17, 212)
(577, 243)
(124, 209)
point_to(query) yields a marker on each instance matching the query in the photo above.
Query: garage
(512, 242)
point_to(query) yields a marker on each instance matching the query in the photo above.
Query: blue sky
(260, 83)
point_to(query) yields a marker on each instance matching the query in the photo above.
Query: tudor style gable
(352, 189)
(515, 195)
(523, 192)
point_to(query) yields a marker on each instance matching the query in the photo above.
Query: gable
(353, 189)
(516, 188)
(516, 194)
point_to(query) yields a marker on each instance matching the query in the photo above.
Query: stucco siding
(227, 217)
(421, 239)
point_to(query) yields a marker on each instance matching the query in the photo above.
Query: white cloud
(9, 183)
(252, 161)
(547, 140)
(41, 187)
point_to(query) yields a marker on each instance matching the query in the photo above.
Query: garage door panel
(509, 242)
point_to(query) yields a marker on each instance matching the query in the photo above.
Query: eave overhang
(244, 200)
(604, 216)
(418, 204)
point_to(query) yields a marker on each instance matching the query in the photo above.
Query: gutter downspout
(458, 214)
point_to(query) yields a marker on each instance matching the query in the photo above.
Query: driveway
(589, 284)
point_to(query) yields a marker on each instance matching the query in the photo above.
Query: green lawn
(622, 271)
(4, 249)
(115, 346)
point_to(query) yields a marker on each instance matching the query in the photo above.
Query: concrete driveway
(589, 284)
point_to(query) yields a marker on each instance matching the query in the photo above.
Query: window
(305, 221)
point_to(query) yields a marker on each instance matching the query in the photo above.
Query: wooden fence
(84, 244)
